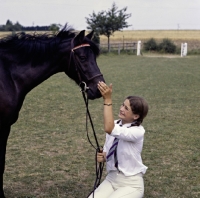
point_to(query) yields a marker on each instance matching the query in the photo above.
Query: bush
(167, 46)
(150, 45)
(194, 52)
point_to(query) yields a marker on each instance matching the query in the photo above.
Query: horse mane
(37, 48)
(23, 46)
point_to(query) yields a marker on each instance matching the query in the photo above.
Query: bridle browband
(79, 46)
(84, 88)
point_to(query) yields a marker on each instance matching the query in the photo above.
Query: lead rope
(99, 166)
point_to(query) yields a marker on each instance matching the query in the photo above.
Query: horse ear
(90, 35)
(79, 38)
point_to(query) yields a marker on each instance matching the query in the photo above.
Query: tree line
(9, 26)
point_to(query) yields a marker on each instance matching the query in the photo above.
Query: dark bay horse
(28, 60)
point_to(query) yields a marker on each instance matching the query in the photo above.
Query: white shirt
(128, 150)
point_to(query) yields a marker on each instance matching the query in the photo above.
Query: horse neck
(27, 76)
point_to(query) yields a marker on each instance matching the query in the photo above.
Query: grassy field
(48, 154)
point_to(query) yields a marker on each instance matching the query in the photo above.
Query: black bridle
(84, 89)
(77, 63)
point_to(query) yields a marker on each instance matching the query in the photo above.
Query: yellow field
(134, 35)
(2, 34)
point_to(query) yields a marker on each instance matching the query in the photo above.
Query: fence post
(123, 42)
(134, 47)
(138, 48)
(119, 49)
(186, 46)
(183, 49)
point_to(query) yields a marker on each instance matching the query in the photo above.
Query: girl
(123, 147)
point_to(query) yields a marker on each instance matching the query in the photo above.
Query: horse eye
(82, 58)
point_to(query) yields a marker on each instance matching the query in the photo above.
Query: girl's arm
(106, 92)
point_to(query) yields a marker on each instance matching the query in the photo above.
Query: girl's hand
(106, 91)
(101, 157)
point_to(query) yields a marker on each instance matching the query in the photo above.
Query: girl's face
(126, 114)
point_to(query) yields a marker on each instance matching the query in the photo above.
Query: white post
(183, 49)
(119, 49)
(138, 48)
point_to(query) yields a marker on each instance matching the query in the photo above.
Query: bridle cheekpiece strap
(79, 46)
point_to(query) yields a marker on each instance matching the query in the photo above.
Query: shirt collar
(125, 125)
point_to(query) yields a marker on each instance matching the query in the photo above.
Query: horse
(26, 60)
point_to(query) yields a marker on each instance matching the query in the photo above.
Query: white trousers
(117, 185)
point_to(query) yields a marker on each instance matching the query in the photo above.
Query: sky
(146, 14)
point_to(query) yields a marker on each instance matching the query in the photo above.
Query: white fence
(135, 47)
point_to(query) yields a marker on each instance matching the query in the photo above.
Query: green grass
(48, 154)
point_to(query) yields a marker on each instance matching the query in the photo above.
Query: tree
(17, 26)
(54, 27)
(107, 22)
(96, 38)
(9, 26)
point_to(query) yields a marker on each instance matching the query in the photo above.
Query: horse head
(82, 66)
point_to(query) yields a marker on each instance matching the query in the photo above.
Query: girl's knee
(128, 192)
(103, 191)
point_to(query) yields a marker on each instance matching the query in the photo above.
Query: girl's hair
(138, 106)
